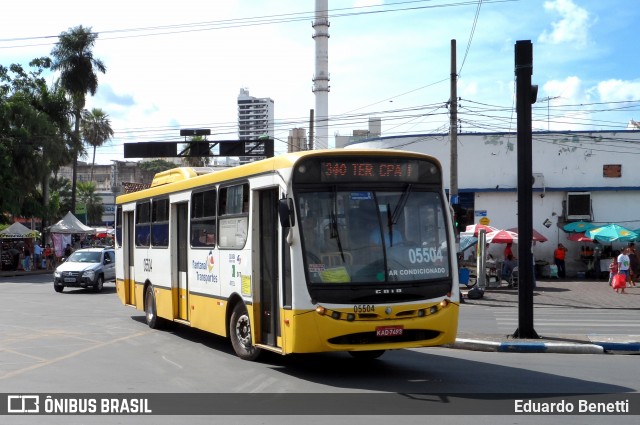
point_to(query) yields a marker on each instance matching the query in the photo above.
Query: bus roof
(182, 178)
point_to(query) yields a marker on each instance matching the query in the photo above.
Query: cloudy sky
(173, 65)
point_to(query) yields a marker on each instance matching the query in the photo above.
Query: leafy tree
(87, 195)
(32, 135)
(60, 202)
(73, 57)
(156, 166)
(195, 161)
(96, 130)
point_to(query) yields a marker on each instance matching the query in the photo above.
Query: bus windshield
(382, 236)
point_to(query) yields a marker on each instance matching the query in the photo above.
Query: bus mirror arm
(286, 212)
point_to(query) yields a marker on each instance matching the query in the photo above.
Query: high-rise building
(255, 119)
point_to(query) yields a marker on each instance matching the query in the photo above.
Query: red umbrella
(477, 227)
(579, 237)
(536, 236)
(502, 236)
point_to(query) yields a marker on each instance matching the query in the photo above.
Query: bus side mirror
(286, 212)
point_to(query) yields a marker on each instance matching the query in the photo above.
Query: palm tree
(73, 57)
(96, 130)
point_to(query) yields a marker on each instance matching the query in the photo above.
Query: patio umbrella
(477, 227)
(578, 227)
(467, 242)
(611, 233)
(536, 236)
(579, 237)
(502, 236)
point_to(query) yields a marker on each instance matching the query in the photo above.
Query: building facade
(590, 176)
(255, 119)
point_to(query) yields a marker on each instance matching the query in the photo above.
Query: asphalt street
(576, 295)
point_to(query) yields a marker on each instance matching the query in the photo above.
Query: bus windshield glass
(373, 236)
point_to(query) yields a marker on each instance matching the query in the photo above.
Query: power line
(249, 22)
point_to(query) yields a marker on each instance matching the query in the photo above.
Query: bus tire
(366, 355)
(150, 311)
(99, 284)
(240, 334)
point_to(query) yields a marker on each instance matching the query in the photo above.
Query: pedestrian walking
(623, 268)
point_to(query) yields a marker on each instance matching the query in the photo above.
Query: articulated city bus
(315, 251)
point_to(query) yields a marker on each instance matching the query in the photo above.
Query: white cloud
(618, 90)
(569, 89)
(367, 3)
(573, 25)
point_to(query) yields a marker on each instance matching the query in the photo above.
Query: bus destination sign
(359, 170)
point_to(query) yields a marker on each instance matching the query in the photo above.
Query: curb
(620, 347)
(528, 347)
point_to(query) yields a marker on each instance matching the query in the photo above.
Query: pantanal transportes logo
(210, 261)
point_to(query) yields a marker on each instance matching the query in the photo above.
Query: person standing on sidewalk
(37, 256)
(634, 264)
(624, 264)
(559, 255)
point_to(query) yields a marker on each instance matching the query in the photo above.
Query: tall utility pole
(525, 97)
(453, 128)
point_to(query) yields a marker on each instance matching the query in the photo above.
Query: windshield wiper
(400, 206)
(393, 218)
(335, 234)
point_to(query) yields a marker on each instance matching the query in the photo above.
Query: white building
(255, 119)
(577, 175)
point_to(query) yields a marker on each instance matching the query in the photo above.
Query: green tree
(96, 130)
(60, 202)
(73, 57)
(195, 161)
(32, 136)
(157, 165)
(87, 195)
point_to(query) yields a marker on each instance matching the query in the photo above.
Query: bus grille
(370, 337)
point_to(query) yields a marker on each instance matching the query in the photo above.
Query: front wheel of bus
(150, 311)
(240, 333)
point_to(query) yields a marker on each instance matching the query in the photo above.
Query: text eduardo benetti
(578, 406)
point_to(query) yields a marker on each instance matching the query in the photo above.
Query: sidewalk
(570, 293)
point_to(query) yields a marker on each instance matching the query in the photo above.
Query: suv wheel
(99, 284)
(57, 287)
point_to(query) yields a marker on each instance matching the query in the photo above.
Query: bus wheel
(99, 284)
(366, 355)
(151, 315)
(240, 333)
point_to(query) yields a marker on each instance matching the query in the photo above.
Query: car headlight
(56, 273)
(89, 274)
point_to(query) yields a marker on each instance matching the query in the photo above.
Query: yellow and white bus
(315, 251)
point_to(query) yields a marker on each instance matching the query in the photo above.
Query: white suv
(86, 267)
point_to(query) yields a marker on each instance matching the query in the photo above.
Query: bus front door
(269, 313)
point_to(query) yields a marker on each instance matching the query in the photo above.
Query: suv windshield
(84, 257)
(373, 236)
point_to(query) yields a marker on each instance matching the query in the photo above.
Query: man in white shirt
(624, 263)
